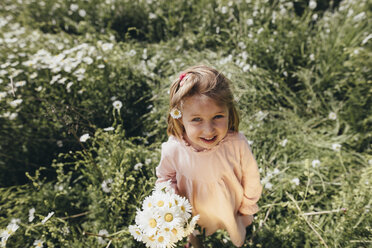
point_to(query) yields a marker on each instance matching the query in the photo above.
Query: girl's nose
(209, 128)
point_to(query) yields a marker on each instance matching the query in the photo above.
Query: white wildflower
(284, 142)
(249, 22)
(224, 10)
(15, 103)
(152, 16)
(336, 147)
(47, 217)
(12, 116)
(136, 232)
(84, 137)
(74, 7)
(365, 40)
(109, 129)
(268, 185)
(175, 113)
(138, 166)
(104, 233)
(88, 60)
(315, 163)
(359, 17)
(296, 181)
(82, 13)
(31, 215)
(68, 86)
(3, 94)
(312, 57)
(106, 185)
(132, 52)
(38, 243)
(20, 83)
(312, 4)
(107, 46)
(276, 171)
(332, 116)
(117, 105)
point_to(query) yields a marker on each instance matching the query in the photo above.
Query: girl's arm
(250, 182)
(166, 171)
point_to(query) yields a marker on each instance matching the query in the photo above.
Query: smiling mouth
(210, 140)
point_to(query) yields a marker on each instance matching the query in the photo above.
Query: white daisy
(149, 202)
(164, 187)
(312, 4)
(136, 232)
(106, 185)
(162, 239)
(336, 147)
(16, 102)
(138, 166)
(84, 137)
(332, 116)
(268, 185)
(148, 221)
(296, 181)
(175, 113)
(177, 233)
(315, 163)
(184, 206)
(117, 104)
(170, 217)
(191, 226)
(150, 241)
(162, 200)
(38, 243)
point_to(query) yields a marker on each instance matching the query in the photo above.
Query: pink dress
(222, 184)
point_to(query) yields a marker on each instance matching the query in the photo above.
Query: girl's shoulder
(171, 145)
(236, 137)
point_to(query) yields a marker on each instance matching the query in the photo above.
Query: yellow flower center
(176, 202)
(174, 231)
(168, 217)
(160, 203)
(138, 232)
(149, 205)
(183, 209)
(152, 223)
(152, 238)
(166, 229)
(161, 239)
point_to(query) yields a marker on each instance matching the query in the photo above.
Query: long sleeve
(165, 170)
(250, 181)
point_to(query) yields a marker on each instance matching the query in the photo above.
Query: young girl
(207, 160)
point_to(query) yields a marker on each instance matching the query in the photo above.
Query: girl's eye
(218, 116)
(196, 119)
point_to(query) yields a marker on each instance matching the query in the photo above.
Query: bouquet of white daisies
(165, 218)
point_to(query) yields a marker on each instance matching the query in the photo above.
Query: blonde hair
(206, 81)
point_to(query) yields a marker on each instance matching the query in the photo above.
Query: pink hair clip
(181, 77)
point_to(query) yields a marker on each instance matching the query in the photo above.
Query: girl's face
(205, 122)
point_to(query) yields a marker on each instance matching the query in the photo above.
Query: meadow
(84, 88)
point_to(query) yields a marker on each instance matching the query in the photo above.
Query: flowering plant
(176, 113)
(165, 218)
